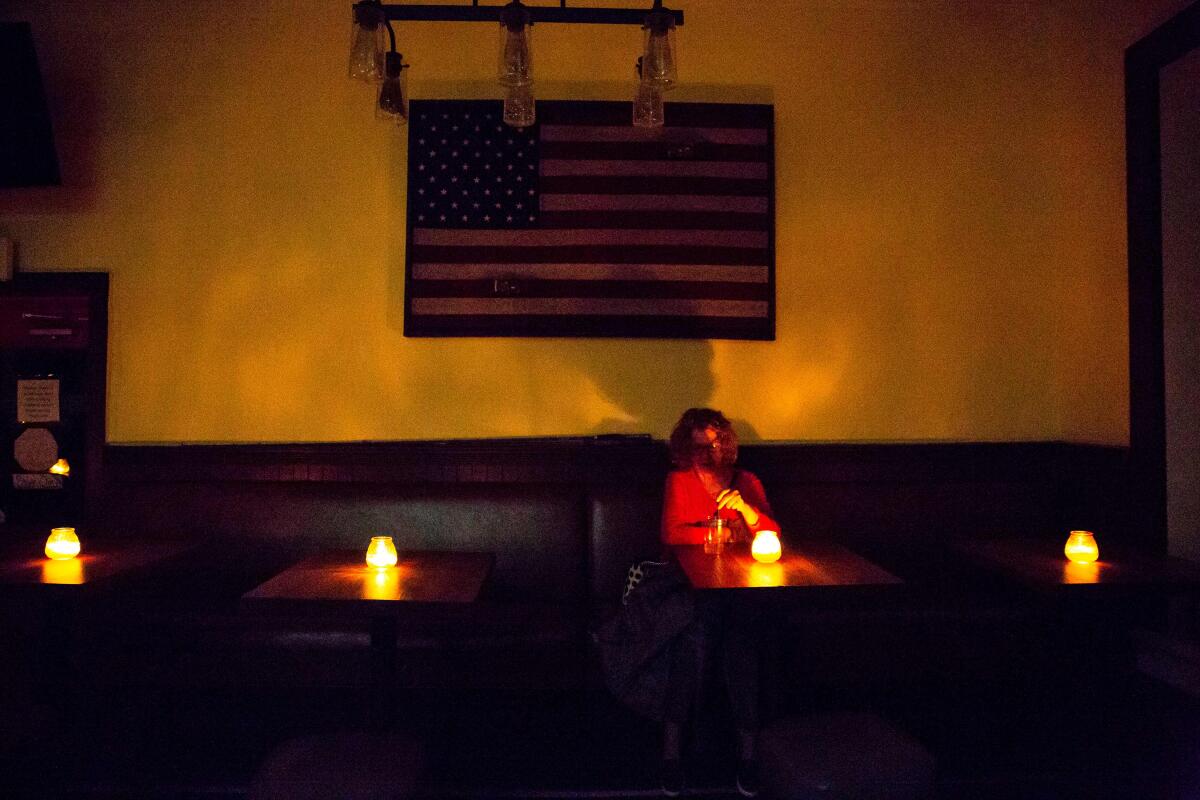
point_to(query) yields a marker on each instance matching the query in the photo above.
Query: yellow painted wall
(950, 221)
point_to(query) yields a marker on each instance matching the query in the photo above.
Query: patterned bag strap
(635, 575)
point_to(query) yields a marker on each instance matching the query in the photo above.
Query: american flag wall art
(583, 225)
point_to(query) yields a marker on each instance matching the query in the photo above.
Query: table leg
(384, 677)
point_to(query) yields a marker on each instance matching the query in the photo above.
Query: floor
(1126, 737)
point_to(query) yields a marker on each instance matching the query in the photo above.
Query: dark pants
(726, 634)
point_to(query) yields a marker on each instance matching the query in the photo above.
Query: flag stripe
(595, 255)
(658, 327)
(628, 133)
(594, 272)
(712, 220)
(586, 237)
(526, 288)
(634, 202)
(678, 115)
(695, 169)
(634, 184)
(571, 305)
(655, 151)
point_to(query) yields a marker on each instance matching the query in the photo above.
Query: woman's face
(706, 447)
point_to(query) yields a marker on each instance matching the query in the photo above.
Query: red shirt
(685, 500)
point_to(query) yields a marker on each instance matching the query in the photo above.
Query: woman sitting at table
(705, 483)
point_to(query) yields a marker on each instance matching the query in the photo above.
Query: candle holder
(1081, 547)
(62, 544)
(765, 547)
(381, 552)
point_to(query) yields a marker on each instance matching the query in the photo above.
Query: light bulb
(659, 53)
(515, 66)
(367, 43)
(393, 92)
(519, 110)
(648, 105)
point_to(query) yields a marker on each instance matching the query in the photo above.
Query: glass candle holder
(1081, 547)
(381, 552)
(765, 547)
(62, 544)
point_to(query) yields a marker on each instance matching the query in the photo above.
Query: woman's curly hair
(682, 447)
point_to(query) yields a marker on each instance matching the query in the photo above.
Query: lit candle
(62, 544)
(1081, 547)
(765, 547)
(381, 552)
(61, 467)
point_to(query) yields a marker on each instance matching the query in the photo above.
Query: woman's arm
(749, 499)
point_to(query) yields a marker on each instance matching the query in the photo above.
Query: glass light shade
(381, 552)
(62, 544)
(1081, 547)
(393, 92)
(659, 53)
(61, 467)
(765, 547)
(515, 66)
(648, 105)
(519, 109)
(368, 43)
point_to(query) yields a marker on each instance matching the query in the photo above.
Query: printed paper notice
(37, 400)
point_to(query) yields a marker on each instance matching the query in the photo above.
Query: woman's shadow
(651, 381)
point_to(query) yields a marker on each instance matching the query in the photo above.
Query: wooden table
(807, 565)
(1040, 564)
(55, 590)
(26, 566)
(422, 580)
(420, 576)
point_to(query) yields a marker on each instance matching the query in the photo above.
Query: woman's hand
(732, 498)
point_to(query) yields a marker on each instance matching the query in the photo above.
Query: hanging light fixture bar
(374, 58)
(491, 13)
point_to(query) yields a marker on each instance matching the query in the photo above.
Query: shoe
(747, 778)
(671, 777)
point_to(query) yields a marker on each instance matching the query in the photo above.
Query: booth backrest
(536, 532)
(566, 517)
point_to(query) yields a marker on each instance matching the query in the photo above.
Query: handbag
(635, 644)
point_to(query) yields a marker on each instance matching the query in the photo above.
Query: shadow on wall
(75, 107)
(651, 399)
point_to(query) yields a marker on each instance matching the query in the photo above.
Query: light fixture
(658, 55)
(366, 41)
(515, 69)
(369, 61)
(393, 92)
(647, 102)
